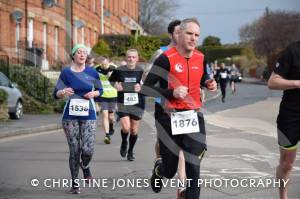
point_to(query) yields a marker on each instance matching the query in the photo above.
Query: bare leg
(283, 171)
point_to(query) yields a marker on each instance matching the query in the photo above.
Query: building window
(17, 36)
(45, 40)
(95, 37)
(30, 33)
(75, 36)
(94, 5)
(56, 43)
(82, 35)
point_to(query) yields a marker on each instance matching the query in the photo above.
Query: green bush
(216, 53)
(102, 48)
(32, 82)
(118, 43)
(146, 45)
(3, 96)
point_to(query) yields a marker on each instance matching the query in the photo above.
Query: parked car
(15, 98)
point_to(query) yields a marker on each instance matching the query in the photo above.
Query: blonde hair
(132, 50)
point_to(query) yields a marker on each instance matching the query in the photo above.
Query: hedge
(215, 53)
(3, 97)
(146, 45)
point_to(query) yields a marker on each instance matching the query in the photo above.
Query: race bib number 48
(131, 99)
(79, 107)
(184, 122)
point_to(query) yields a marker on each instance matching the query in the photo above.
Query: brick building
(50, 27)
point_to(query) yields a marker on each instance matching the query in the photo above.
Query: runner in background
(131, 104)
(108, 99)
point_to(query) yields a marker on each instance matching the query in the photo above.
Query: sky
(223, 18)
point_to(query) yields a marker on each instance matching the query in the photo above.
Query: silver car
(15, 99)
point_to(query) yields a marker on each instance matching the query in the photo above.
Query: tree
(272, 33)
(155, 15)
(211, 41)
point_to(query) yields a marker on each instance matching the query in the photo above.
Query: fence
(30, 79)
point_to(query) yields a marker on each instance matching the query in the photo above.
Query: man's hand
(180, 92)
(211, 84)
(118, 86)
(137, 88)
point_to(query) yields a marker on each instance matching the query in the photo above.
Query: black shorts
(109, 104)
(288, 128)
(134, 112)
(193, 143)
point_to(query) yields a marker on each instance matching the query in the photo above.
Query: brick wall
(87, 11)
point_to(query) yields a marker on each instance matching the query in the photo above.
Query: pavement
(38, 123)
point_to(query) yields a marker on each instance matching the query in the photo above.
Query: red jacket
(185, 72)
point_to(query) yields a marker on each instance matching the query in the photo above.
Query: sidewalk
(30, 124)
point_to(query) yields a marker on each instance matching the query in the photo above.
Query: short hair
(184, 22)
(172, 25)
(132, 50)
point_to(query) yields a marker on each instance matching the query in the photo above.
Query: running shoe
(75, 190)
(181, 193)
(130, 156)
(156, 179)
(107, 139)
(123, 149)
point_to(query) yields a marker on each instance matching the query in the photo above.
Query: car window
(3, 80)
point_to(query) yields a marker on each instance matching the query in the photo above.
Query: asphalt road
(241, 145)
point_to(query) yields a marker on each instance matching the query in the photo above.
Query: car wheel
(18, 111)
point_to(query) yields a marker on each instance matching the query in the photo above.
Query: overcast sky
(223, 18)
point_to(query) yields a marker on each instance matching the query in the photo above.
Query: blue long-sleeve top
(82, 83)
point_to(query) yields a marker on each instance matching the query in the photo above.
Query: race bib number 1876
(184, 122)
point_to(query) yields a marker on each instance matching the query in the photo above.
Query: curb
(30, 130)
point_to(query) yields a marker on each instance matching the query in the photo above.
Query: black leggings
(223, 85)
(193, 146)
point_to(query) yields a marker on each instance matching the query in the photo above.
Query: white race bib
(131, 99)
(223, 75)
(79, 107)
(184, 122)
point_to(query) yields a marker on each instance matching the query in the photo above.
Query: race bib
(184, 122)
(79, 107)
(131, 99)
(223, 75)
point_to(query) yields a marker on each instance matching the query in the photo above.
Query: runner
(108, 100)
(233, 75)
(131, 104)
(80, 85)
(223, 79)
(173, 29)
(179, 72)
(286, 77)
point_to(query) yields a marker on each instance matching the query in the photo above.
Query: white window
(45, 40)
(75, 35)
(56, 43)
(94, 5)
(17, 36)
(30, 33)
(95, 37)
(82, 35)
(89, 37)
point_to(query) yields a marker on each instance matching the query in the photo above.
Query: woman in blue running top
(80, 85)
